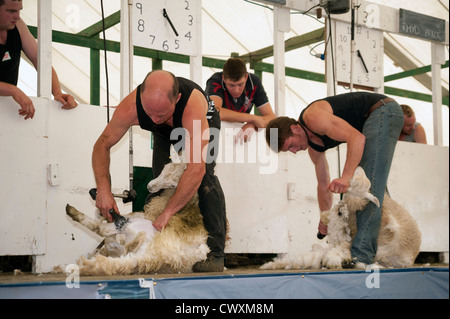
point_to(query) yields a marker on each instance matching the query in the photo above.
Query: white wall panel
(23, 176)
(261, 215)
(419, 182)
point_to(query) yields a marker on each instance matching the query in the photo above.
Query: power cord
(106, 63)
(330, 38)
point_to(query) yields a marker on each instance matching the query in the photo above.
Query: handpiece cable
(106, 63)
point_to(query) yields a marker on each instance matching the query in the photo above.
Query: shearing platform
(421, 282)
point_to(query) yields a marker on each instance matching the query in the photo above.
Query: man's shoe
(211, 264)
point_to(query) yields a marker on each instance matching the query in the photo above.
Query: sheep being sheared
(399, 237)
(139, 248)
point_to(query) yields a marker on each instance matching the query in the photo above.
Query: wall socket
(291, 191)
(53, 174)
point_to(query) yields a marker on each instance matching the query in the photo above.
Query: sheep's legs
(102, 229)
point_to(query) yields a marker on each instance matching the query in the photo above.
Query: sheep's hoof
(151, 195)
(333, 266)
(347, 264)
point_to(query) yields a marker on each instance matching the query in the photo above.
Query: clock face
(368, 55)
(166, 25)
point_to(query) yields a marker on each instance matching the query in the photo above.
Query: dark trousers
(211, 197)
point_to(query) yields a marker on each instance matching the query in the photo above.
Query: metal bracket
(150, 285)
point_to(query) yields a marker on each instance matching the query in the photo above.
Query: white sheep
(139, 248)
(399, 238)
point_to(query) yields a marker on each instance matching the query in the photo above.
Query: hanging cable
(330, 39)
(131, 194)
(330, 42)
(318, 55)
(106, 63)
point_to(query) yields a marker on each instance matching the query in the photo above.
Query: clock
(368, 56)
(167, 25)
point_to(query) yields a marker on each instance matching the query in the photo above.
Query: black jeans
(211, 197)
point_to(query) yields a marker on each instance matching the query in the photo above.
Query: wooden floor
(10, 278)
(238, 264)
(18, 278)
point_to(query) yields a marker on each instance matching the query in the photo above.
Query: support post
(281, 24)
(196, 61)
(126, 49)
(437, 59)
(126, 68)
(95, 76)
(44, 83)
(330, 26)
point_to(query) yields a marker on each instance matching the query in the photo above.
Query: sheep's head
(360, 186)
(170, 174)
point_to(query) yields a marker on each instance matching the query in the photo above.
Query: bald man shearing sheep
(164, 104)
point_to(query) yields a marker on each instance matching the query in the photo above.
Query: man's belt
(378, 104)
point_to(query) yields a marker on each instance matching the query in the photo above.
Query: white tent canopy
(234, 26)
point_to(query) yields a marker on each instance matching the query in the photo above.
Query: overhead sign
(421, 26)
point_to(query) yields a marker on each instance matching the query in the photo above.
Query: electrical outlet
(53, 174)
(291, 191)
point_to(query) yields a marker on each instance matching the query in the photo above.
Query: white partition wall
(271, 199)
(23, 167)
(45, 163)
(419, 182)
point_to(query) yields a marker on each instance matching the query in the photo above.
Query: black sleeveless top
(145, 122)
(10, 57)
(351, 107)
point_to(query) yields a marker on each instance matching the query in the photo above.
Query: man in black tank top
(14, 38)
(164, 104)
(370, 124)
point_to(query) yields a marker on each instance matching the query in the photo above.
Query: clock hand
(362, 60)
(170, 22)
